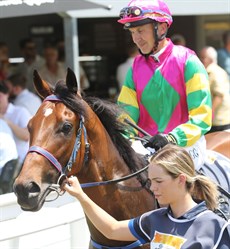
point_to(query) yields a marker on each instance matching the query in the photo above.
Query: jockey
(166, 92)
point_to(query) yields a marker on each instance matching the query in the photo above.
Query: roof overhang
(17, 8)
(86, 8)
(177, 7)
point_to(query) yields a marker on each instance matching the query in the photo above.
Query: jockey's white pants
(196, 151)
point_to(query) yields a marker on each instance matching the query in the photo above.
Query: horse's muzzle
(29, 195)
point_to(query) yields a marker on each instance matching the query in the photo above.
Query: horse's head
(54, 132)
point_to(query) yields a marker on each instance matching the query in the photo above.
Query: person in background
(31, 62)
(53, 70)
(223, 54)
(8, 150)
(178, 39)
(219, 86)
(5, 67)
(123, 68)
(188, 202)
(166, 92)
(61, 51)
(20, 95)
(17, 118)
(84, 81)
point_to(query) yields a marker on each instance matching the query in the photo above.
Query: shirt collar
(199, 208)
(157, 56)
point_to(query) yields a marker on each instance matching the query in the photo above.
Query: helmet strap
(156, 38)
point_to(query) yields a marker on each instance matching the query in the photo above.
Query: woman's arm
(105, 223)
(19, 132)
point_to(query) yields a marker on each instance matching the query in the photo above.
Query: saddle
(217, 168)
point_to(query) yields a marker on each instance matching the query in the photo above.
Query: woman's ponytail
(206, 190)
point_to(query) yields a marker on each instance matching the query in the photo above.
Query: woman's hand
(73, 187)
(104, 222)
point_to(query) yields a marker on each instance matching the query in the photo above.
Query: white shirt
(8, 150)
(122, 70)
(19, 116)
(53, 78)
(28, 100)
(28, 70)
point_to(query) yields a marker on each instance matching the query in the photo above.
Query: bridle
(62, 170)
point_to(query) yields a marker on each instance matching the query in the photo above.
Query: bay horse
(219, 141)
(82, 136)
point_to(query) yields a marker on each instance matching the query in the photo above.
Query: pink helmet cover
(153, 9)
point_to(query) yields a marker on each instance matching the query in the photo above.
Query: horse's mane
(108, 113)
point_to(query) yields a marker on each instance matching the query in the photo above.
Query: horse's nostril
(33, 189)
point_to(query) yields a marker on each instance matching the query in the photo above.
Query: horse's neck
(104, 164)
(121, 200)
(104, 152)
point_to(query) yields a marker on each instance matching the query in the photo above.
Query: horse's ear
(41, 86)
(71, 81)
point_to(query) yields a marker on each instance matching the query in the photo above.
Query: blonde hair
(176, 160)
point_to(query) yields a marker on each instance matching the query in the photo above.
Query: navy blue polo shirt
(199, 228)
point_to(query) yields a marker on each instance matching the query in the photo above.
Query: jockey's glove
(159, 141)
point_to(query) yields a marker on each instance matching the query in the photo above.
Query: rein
(94, 184)
(63, 170)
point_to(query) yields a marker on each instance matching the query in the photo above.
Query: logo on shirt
(166, 241)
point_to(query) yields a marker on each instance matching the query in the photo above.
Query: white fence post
(60, 224)
(79, 236)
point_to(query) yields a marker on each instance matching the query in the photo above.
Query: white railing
(59, 224)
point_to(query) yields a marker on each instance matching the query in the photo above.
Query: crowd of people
(18, 98)
(168, 90)
(50, 64)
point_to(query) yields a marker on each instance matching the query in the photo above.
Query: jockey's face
(143, 37)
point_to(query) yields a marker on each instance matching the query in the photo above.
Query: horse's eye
(66, 128)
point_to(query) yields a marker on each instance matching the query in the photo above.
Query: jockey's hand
(159, 141)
